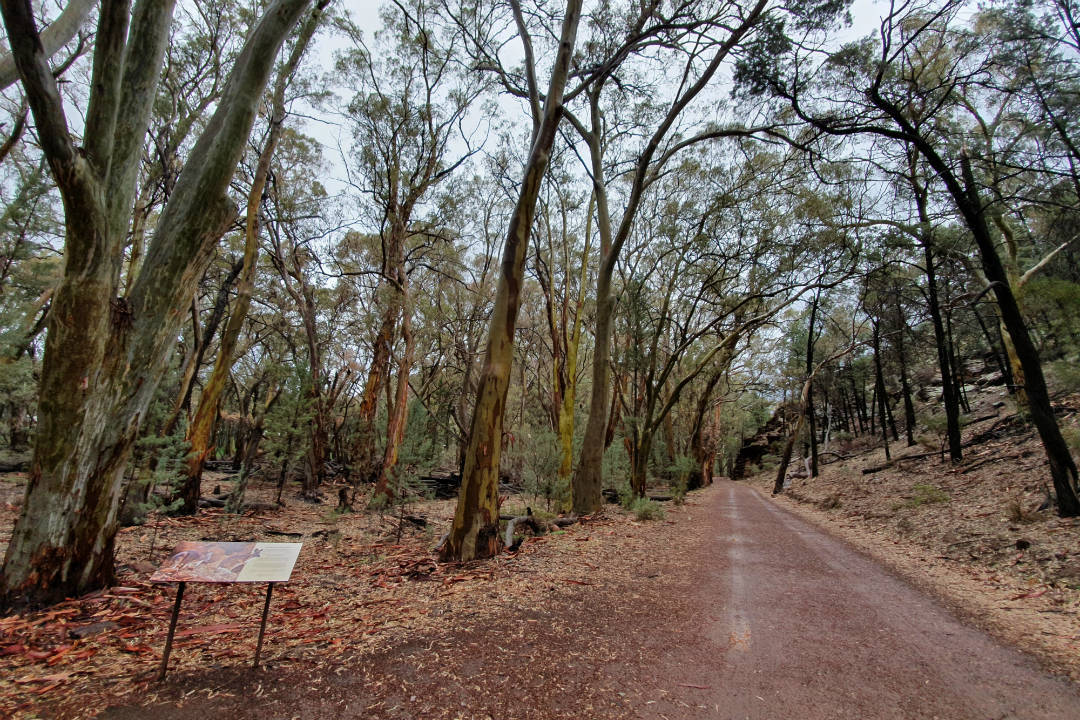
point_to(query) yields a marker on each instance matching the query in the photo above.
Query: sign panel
(229, 562)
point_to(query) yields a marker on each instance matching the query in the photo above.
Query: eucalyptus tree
(466, 296)
(105, 355)
(562, 257)
(907, 85)
(720, 250)
(299, 220)
(669, 55)
(62, 30)
(475, 530)
(201, 428)
(204, 41)
(408, 120)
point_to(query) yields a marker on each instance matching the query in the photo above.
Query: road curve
(797, 624)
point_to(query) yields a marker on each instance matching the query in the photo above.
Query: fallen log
(17, 466)
(538, 527)
(898, 460)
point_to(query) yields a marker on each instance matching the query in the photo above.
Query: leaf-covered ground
(360, 600)
(568, 627)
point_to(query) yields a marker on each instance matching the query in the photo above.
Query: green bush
(646, 509)
(923, 494)
(1072, 438)
(770, 462)
(680, 471)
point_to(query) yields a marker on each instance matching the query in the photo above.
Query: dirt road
(800, 625)
(747, 612)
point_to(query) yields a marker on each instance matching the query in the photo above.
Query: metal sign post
(211, 562)
(262, 628)
(172, 629)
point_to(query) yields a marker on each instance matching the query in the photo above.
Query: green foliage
(416, 457)
(542, 461)
(1072, 438)
(1064, 375)
(923, 494)
(18, 400)
(533, 460)
(166, 474)
(680, 471)
(1051, 303)
(286, 437)
(616, 466)
(938, 424)
(646, 509)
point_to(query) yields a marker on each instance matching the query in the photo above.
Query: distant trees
(405, 121)
(913, 85)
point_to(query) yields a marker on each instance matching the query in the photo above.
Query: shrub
(680, 471)
(1065, 375)
(1072, 438)
(1016, 511)
(646, 509)
(923, 494)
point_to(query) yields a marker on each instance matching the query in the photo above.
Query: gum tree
(475, 530)
(105, 355)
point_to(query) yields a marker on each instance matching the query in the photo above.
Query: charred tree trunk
(879, 388)
(905, 385)
(810, 389)
(948, 392)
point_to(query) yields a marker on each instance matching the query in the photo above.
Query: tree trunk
(879, 389)
(810, 389)
(789, 448)
(205, 419)
(105, 356)
(1002, 362)
(703, 458)
(639, 463)
(565, 374)
(948, 393)
(1062, 467)
(905, 385)
(475, 530)
(397, 414)
(363, 454)
(250, 451)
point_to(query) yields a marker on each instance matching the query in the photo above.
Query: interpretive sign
(225, 562)
(229, 562)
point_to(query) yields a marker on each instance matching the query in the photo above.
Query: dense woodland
(569, 247)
